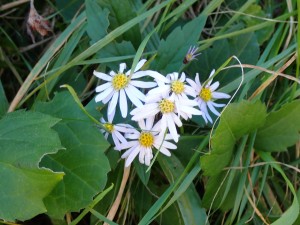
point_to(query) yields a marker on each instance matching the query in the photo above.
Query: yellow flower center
(205, 94)
(188, 57)
(120, 81)
(146, 139)
(109, 127)
(177, 87)
(166, 106)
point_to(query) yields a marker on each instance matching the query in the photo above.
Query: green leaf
(97, 20)
(25, 138)
(237, 120)
(281, 129)
(3, 101)
(172, 51)
(245, 47)
(117, 49)
(83, 162)
(120, 13)
(24, 191)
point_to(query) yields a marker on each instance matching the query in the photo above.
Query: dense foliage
(95, 125)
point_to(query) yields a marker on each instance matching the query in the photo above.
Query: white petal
(218, 105)
(197, 80)
(103, 94)
(142, 124)
(176, 120)
(143, 84)
(148, 156)
(169, 145)
(142, 155)
(212, 109)
(137, 102)
(106, 100)
(150, 73)
(110, 116)
(102, 87)
(116, 141)
(190, 91)
(193, 84)
(124, 128)
(190, 110)
(212, 73)
(145, 114)
(149, 123)
(219, 95)
(172, 128)
(214, 86)
(127, 153)
(182, 78)
(122, 67)
(163, 124)
(138, 74)
(140, 64)
(102, 76)
(113, 102)
(123, 103)
(132, 155)
(205, 114)
(136, 92)
(165, 151)
(120, 137)
(133, 136)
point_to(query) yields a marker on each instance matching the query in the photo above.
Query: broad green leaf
(25, 138)
(281, 129)
(189, 202)
(3, 101)
(83, 162)
(97, 20)
(23, 191)
(117, 49)
(120, 13)
(245, 47)
(172, 51)
(237, 120)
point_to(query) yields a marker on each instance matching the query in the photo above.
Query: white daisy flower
(170, 113)
(175, 86)
(115, 130)
(144, 141)
(121, 84)
(206, 96)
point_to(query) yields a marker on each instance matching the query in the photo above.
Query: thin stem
(113, 210)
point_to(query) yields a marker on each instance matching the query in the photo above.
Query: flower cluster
(158, 113)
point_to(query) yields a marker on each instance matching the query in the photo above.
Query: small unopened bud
(36, 23)
(190, 55)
